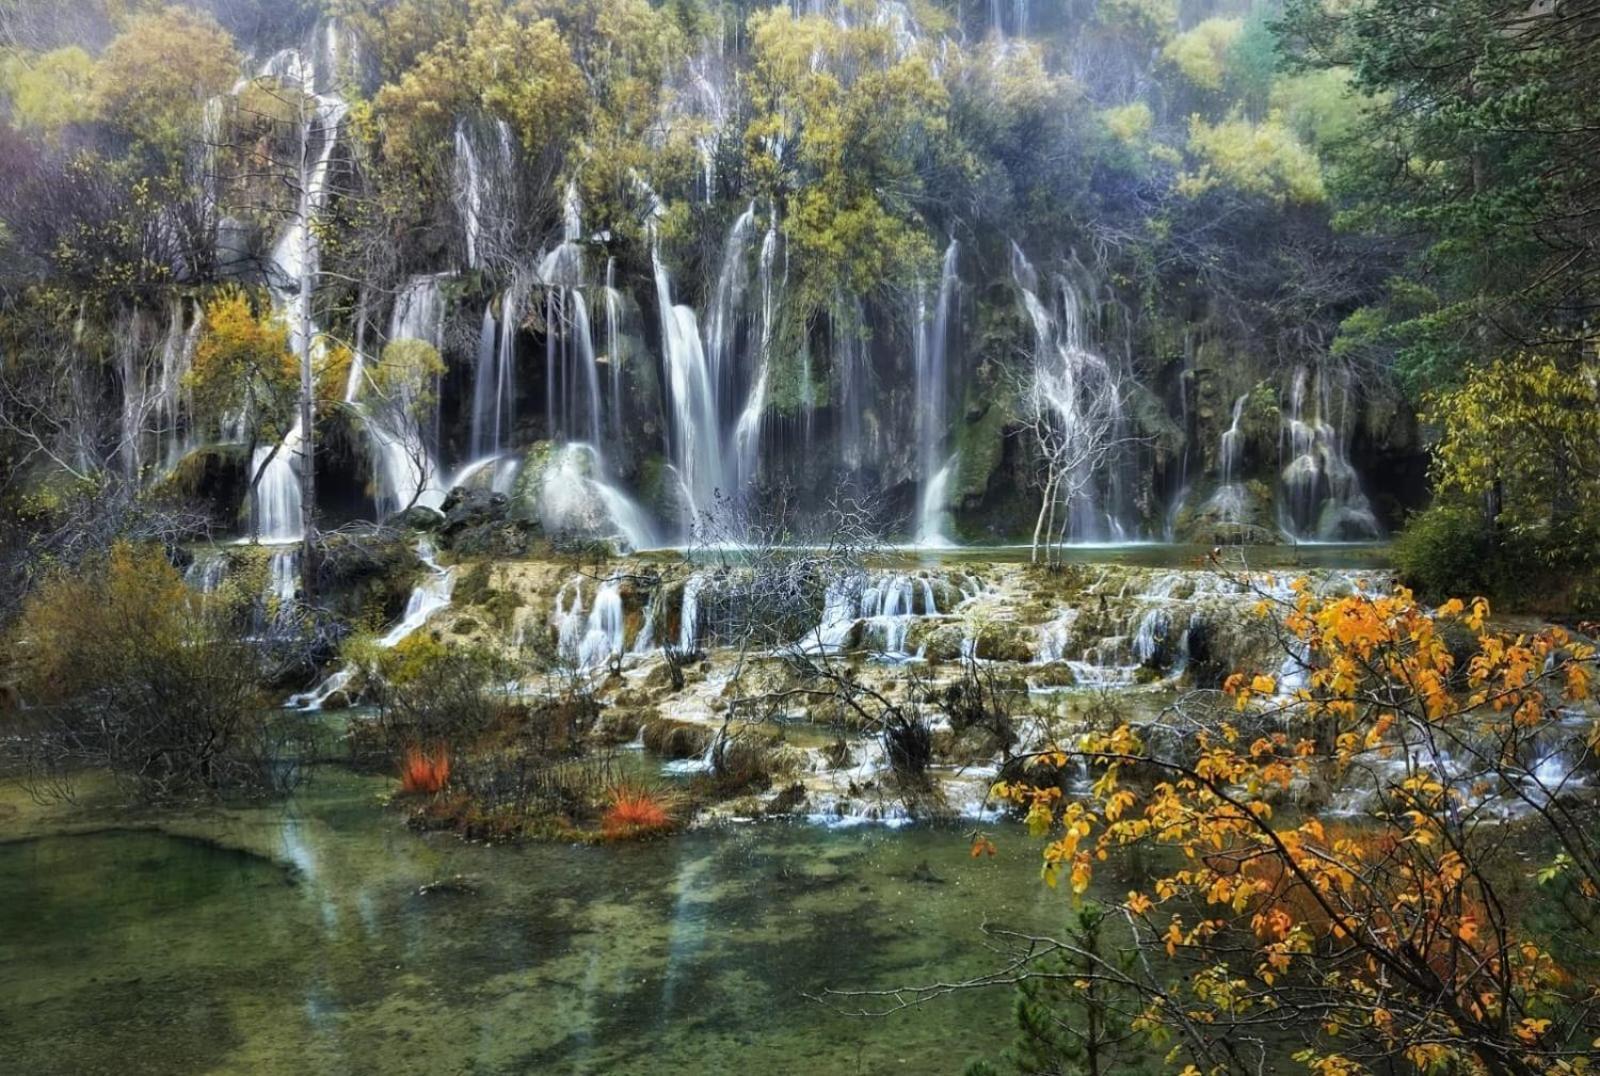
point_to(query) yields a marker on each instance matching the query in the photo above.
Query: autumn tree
(155, 77)
(1446, 917)
(858, 114)
(243, 371)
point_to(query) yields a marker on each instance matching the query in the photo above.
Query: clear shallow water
(131, 951)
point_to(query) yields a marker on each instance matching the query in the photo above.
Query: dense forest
(1183, 271)
(738, 451)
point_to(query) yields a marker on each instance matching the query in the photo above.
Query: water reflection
(687, 955)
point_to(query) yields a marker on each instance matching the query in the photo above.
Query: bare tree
(1070, 410)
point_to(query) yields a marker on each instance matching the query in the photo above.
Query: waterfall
(1230, 503)
(602, 635)
(494, 386)
(613, 323)
(1078, 390)
(693, 427)
(427, 597)
(205, 573)
(483, 179)
(727, 306)
(574, 494)
(275, 506)
(403, 459)
(589, 641)
(852, 369)
(932, 386)
(1322, 495)
(747, 430)
(172, 399)
(573, 400)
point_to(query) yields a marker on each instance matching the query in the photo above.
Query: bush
(124, 668)
(1448, 549)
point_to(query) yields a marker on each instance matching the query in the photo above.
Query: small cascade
(206, 572)
(689, 626)
(1078, 393)
(1322, 495)
(593, 640)
(429, 596)
(273, 613)
(1230, 503)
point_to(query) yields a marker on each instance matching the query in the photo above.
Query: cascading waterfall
(854, 392)
(613, 323)
(1064, 363)
(932, 372)
(727, 307)
(403, 459)
(1230, 502)
(275, 503)
(494, 386)
(484, 172)
(573, 398)
(430, 595)
(590, 640)
(747, 430)
(693, 436)
(1322, 495)
(576, 497)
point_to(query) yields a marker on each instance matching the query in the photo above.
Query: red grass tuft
(424, 772)
(635, 812)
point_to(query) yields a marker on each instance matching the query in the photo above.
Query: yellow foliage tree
(1264, 159)
(1522, 436)
(155, 77)
(243, 368)
(1201, 54)
(1401, 932)
(48, 91)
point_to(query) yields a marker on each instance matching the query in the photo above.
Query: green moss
(980, 442)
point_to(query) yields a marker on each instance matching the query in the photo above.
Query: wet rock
(934, 640)
(419, 517)
(1006, 642)
(789, 800)
(676, 739)
(1055, 674)
(463, 508)
(618, 725)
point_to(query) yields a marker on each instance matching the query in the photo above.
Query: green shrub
(1449, 551)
